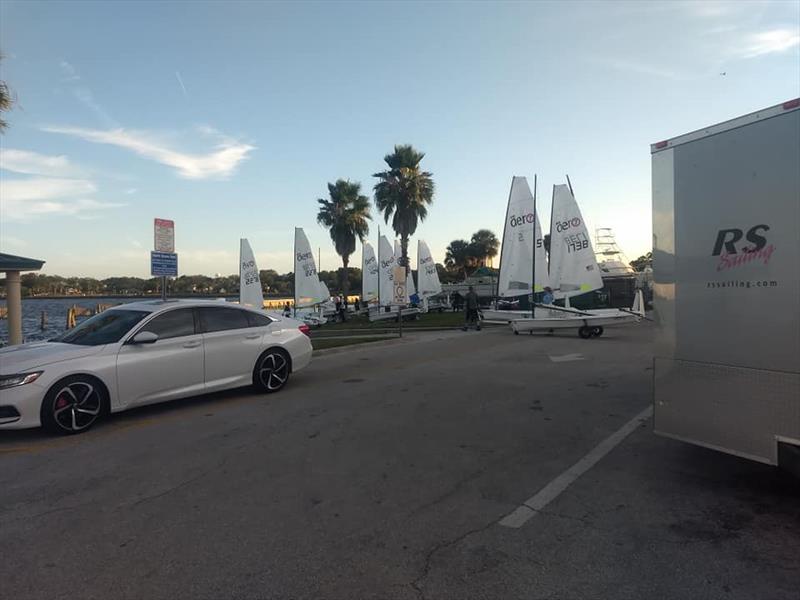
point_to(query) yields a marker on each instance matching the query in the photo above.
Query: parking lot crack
(181, 484)
(418, 583)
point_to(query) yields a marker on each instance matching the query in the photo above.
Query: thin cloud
(68, 72)
(180, 81)
(220, 163)
(709, 9)
(27, 199)
(83, 94)
(9, 241)
(44, 188)
(769, 42)
(637, 67)
(33, 163)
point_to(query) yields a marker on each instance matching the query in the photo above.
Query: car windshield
(105, 328)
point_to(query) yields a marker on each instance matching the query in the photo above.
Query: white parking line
(566, 357)
(552, 490)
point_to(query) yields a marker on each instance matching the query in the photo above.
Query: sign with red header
(163, 235)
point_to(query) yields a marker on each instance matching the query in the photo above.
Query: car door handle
(252, 336)
(191, 344)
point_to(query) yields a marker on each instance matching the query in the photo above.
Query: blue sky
(230, 118)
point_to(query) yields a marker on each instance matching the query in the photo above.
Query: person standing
(471, 309)
(287, 310)
(456, 302)
(337, 300)
(547, 299)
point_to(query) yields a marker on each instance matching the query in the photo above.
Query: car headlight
(8, 381)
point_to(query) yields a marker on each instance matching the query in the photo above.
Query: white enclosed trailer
(726, 265)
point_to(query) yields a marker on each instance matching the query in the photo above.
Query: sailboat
(387, 261)
(370, 278)
(411, 290)
(573, 272)
(573, 266)
(309, 291)
(250, 292)
(523, 261)
(428, 283)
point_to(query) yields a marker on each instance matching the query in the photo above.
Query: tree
(457, 256)
(484, 245)
(5, 102)
(403, 193)
(345, 215)
(641, 263)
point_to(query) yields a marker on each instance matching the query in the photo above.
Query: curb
(354, 347)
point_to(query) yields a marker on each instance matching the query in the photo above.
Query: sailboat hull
(504, 316)
(605, 319)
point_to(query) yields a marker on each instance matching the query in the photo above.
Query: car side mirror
(145, 337)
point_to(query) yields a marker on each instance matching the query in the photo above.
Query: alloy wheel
(273, 371)
(76, 406)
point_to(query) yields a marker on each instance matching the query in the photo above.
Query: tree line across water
(273, 284)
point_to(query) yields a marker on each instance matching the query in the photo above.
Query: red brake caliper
(61, 402)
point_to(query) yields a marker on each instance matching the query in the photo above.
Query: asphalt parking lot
(387, 472)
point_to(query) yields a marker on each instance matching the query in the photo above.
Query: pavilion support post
(14, 303)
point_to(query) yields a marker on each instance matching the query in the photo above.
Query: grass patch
(325, 343)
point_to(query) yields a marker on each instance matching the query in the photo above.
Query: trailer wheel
(597, 331)
(585, 332)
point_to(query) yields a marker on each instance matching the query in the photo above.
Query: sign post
(163, 259)
(399, 294)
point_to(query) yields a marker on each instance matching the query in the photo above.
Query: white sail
(369, 274)
(250, 293)
(324, 293)
(386, 263)
(540, 256)
(411, 289)
(517, 254)
(427, 276)
(307, 288)
(573, 266)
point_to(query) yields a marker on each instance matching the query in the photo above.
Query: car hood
(18, 359)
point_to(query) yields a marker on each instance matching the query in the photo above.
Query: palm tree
(345, 215)
(404, 193)
(5, 102)
(457, 256)
(485, 245)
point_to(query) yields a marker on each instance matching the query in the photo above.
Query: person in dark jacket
(456, 302)
(471, 310)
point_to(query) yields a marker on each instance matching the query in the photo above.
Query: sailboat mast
(363, 273)
(533, 254)
(294, 287)
(380, 266)
(569, 183)
(500, 262)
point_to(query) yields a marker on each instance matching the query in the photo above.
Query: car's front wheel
(272, 370)
(72, 405)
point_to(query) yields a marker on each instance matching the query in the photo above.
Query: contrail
(183, 87)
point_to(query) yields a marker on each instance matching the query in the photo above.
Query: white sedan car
(143, 353)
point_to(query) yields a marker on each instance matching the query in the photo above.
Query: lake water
(56, 310)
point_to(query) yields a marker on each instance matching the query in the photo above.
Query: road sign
(163, 235)
(399, 288)
(163, 264)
